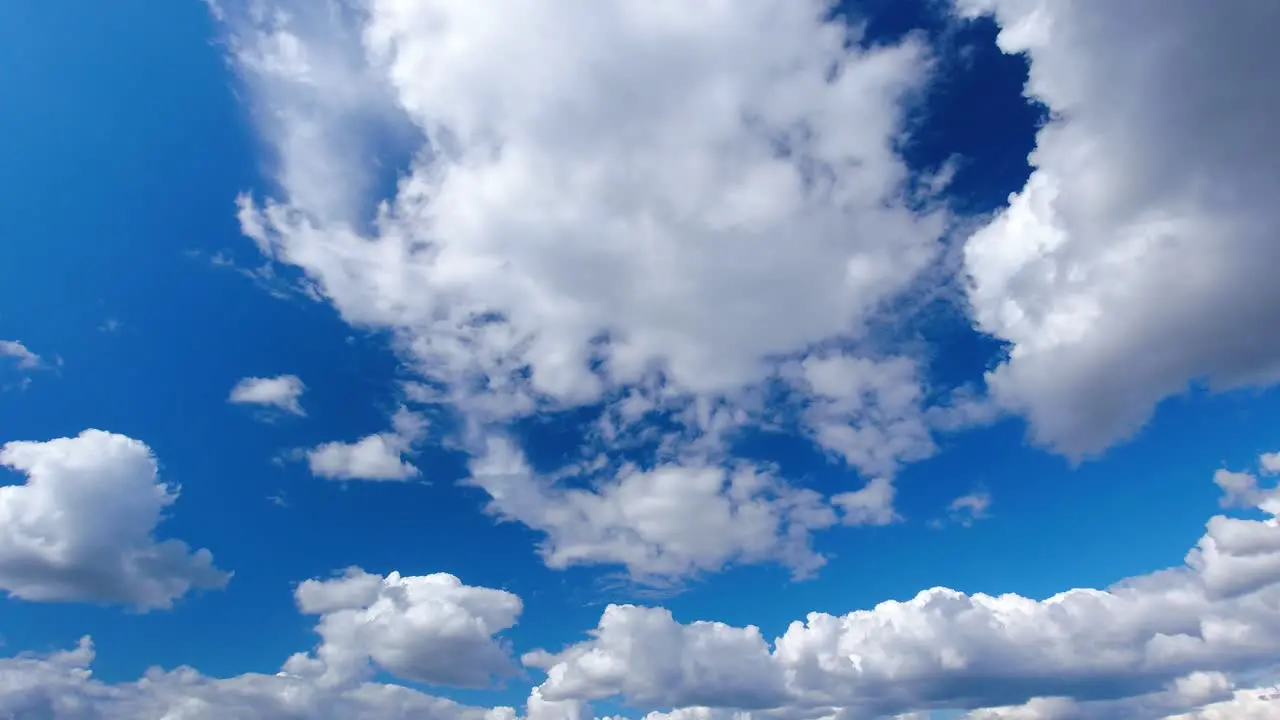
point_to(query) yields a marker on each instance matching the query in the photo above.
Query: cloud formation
(432, 629)
(22, 357)
(1174, 643)
(281, 393)
(662, 524)
(1137, 258)
(379, 456)
(1140, 641)
(727, 227)
(82, 526)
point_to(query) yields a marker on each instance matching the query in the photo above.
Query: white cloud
(1154, 644)
(660, 524)
(733, 205)
(1161, 644)
(81, 528)
(1041, 708)
(432, 628)
(872, 505)
(24, 358)
(555, 243)
(1250, 704)
(646, 655)
(866, 411)
(1270, 463)
(970, 508)
(1139, 256)
(374, 457)
(280, 392)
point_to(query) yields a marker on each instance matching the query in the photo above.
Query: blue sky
(133, 127)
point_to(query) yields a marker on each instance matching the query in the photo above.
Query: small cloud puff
(280, 392)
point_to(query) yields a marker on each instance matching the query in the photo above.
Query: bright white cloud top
(1150, 646)
(1149, 221)
(379, 456)
(671, 252)
(81, 528)
(21, 356)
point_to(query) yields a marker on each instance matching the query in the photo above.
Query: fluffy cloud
(1168, 643)
(646, 655)
(1270, 463)
(1138, 256)
(280, 392)
(1163, 642)
(742, 199)
(22, 357)
(433, 629)
(661, 524)
(872, 505)
(1041, 708)
(81, 528)
(374, 457)
(866, 411)
(1250, 704)
(970, 508)
(555, 242)
(430, 629)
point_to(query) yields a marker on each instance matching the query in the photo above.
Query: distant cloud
(872, 505)
(1270, 463)
(24, 358)
(968, 509)
(281, 393)
(374, 457)
(752, 242)
(81, 527)
(662, 524)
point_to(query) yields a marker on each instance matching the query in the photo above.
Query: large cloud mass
(691, 187)
(679, 221)
(82, 525)
(1139, 255)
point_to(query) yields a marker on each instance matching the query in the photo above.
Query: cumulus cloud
(21, 356)
(1171, 643)
(1041, 708)
(970, 508)
(1155, 644)
(374, 457)
(555, 243)
(872, 505)
(1138, 256)
(1247, 704)
(280, 392)
(1270, 463)
(82, 526)
(867, 411)
(743, 199)
(432, 629)
(660, 524)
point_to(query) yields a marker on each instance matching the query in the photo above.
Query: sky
(766, 360)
